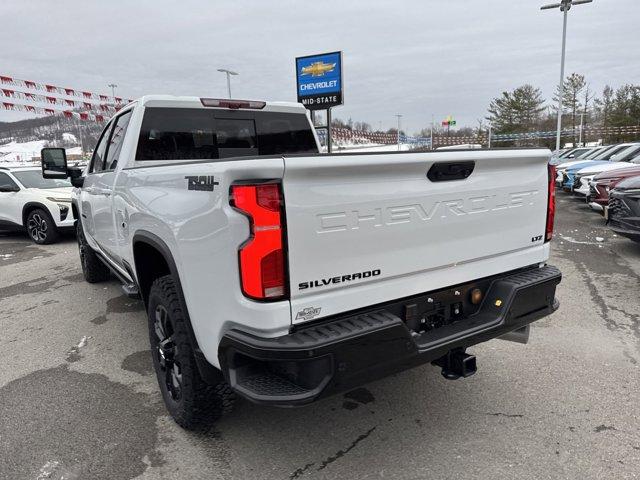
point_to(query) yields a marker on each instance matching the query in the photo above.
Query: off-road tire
(199, 403)
(93, 269)
(41, 228)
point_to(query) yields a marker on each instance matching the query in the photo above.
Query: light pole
(113, 87)
(399, 116)
(489, 136)
(581, 127)
(432, 122)
(229, 73)
(564, 6)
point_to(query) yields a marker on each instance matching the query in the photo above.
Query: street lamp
(564, 6)
(113, 87)
(229, 73)
(398, 137)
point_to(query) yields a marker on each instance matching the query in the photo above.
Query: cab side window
(97, 162)
(116, 140)
(7, 184)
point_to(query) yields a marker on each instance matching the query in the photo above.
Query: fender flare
(31, 205)
(208, 372)
(75, 210)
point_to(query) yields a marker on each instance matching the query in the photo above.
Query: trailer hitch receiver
(456, 363)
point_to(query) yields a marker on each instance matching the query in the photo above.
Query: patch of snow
(599, 239)
(69, 137)
(15, 152)
(83, 342)
(5, 256)
(74, 151)
(580, 242)
(373, 147)
(47, 469)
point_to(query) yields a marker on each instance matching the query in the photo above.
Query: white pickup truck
(283, 275)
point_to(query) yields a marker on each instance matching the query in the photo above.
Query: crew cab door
(99, 184)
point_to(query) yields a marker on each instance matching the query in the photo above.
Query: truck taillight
(262, 265)
(551, 203)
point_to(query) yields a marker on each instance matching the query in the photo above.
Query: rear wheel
(193, 403)
(41, 227)
(93, 269)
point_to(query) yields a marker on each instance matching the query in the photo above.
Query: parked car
(560, 168)
(623, 212)
(602, 158)
(283, 275)
(628, 157)
(604, 182)
(568, 154)
(38, 205)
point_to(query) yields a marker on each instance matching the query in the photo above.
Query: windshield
(33, 179)
(611, 152)
(593, 153)
(626, 154)
(579, 151)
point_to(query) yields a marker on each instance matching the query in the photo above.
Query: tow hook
(456, 363)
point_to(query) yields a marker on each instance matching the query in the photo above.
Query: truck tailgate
(365, 229)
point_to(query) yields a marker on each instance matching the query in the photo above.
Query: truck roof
(172, 101)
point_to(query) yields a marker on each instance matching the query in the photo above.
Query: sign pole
(329, 146)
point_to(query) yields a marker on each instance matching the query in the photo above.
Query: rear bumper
(342, 353)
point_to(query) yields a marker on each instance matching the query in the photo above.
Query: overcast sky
(416, 58)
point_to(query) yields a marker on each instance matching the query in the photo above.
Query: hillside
(23, 139)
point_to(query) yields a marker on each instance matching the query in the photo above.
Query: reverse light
(551, 203)
(476, 296)
(232, 104)
(262, 265)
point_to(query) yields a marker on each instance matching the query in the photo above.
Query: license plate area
(427, 314)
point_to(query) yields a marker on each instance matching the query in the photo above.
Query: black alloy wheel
(166, 351)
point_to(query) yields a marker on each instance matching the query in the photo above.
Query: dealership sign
(319, 80)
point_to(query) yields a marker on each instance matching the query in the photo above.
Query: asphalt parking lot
(78, 398)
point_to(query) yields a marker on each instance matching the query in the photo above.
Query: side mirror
(54, 163)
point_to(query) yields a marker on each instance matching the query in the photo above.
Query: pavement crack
(634, 319)
(597, 298)
(508, 415)
(341, 453)
(602, 428)
(300, 471)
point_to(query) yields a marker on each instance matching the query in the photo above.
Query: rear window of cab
(195, 133)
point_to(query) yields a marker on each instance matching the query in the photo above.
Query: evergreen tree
(516, 111)
(573, 88)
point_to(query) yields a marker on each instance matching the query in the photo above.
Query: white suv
(39, 205)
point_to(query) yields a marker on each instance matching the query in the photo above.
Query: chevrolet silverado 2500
(271, 271)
